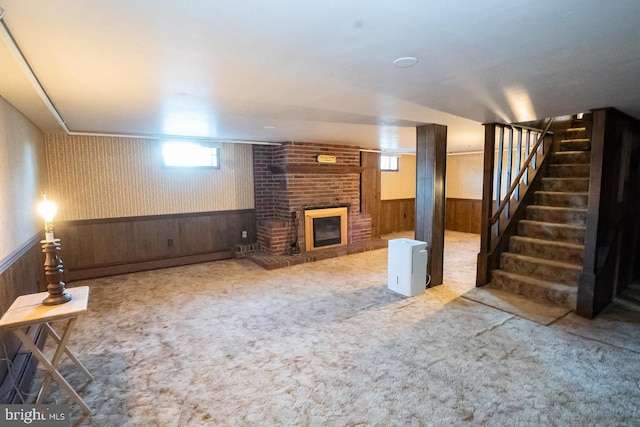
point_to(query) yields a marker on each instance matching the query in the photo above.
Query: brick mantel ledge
(314, 169)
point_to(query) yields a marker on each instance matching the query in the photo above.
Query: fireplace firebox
(325, 228)
(326, 231)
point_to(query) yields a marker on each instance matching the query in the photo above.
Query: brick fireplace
(289, 179)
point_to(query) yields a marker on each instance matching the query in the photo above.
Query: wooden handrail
(497, 227)
(516, 182)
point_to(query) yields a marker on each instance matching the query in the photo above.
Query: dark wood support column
(431, 158)
(483, 275)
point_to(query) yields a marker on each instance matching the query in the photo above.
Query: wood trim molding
(457, 199)
(15, 255)
(132, 267)
(319, 169)
(150, 217)
(399, 200)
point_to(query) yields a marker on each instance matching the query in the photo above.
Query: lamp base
(57, 299)
(53, 270)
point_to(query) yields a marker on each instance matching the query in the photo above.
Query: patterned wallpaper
(108, 177)
(22, 164)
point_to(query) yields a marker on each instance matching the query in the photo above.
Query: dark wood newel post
(586, 305)
(483, 276)
(431, 157)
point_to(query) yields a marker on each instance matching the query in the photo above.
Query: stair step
(544, 260)
(560, 199)
(570, 253)
(577, 170)
(575, 139)
(544, 269)
(575, 144)
(571, 157)
(558, 215)
(540, 290)
(573, 133)
(567, 185)
(552, 231)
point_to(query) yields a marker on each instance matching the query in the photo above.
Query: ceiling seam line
(18, 54)
(11, 42)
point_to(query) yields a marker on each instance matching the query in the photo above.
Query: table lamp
(53, 267)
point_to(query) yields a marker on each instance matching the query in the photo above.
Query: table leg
(51, 369)
(57, 355)
(71, 356)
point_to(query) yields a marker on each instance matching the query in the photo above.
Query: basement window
(190, 154)
(389, 163)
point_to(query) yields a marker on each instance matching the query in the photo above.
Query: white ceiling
(319, 70)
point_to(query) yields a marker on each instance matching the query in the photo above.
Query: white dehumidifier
(407, 270)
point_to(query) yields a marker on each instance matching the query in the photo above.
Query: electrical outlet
(170, 243)
(244, 234)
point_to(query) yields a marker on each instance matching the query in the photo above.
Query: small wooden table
(28, 310)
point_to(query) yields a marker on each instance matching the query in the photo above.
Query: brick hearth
(272, 262)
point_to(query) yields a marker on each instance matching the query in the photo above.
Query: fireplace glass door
(326, 231)
(325, 227)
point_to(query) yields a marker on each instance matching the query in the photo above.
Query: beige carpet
(327, 344)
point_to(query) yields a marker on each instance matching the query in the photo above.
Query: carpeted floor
(327, 344)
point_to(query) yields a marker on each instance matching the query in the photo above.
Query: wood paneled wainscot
(463, 215)
(397, 215)
(21, 273)
(103, 247)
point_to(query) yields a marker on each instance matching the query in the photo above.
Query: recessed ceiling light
(405, 62)
(269, 127)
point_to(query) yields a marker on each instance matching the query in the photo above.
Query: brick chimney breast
(289, 179)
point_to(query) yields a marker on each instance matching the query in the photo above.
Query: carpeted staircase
(545, 257)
